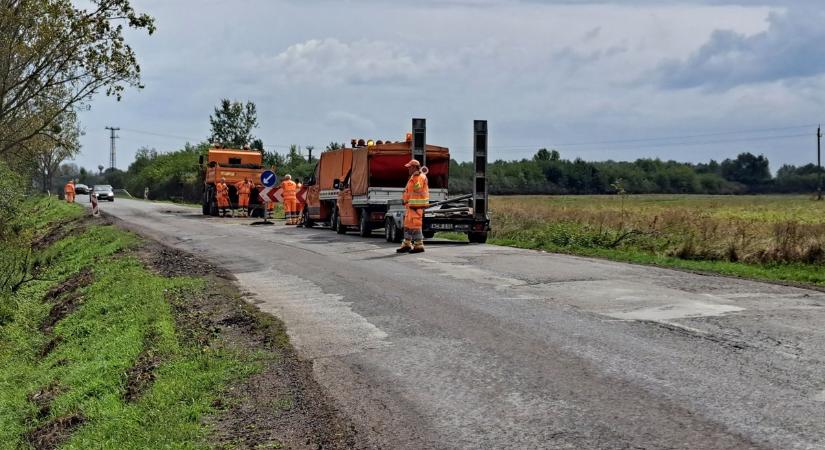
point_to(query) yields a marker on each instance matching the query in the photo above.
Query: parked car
(81, 189)
(103, 192)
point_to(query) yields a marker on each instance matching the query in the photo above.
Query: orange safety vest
(69, 189)
(290, 190)
(417, 199)
(222, 191)
(244, 188)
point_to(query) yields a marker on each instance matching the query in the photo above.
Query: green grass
(125, 311)
(772, 238)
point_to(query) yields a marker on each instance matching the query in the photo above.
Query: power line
(663, 138)
(189, 138)
(643, 142)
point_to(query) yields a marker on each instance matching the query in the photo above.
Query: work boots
(406, 247)
(418, 247)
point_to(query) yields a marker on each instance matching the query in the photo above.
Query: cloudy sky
(687, 80)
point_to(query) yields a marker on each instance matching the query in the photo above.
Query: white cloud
(332, 62)
(541, 72)
(790, 48)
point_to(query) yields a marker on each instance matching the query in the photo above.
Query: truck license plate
(442, 226)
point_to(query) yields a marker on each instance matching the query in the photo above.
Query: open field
(763, 237)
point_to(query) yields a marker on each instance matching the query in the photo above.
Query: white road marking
(683, 309)
(466, 272)
(318, 324)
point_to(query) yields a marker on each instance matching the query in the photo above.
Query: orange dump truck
(351, 187)
(360, 189)
(234, 165)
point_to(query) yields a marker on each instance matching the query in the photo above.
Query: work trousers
(413, 234)
(291, 211)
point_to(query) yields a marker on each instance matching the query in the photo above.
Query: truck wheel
(204, 205)
(397, 233)
(333, 220)
(429, 234)
(479, 237)
(389, 229)
(364, 226)
(307, 222)
(339, 227)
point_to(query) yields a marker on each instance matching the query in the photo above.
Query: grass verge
(103, 349)
(783, 272)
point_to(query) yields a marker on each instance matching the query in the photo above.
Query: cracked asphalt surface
(479, 346)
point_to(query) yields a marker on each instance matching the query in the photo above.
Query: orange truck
(360, 188)
(351, 186)
(234, 165)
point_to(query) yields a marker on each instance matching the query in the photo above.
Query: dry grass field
(768, 237)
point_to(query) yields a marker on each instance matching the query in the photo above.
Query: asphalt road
(478, 346)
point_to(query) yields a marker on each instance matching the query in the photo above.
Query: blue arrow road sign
(268, 178)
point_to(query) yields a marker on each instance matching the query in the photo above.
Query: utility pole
(112, 146)
(310, 148)
(819, 163)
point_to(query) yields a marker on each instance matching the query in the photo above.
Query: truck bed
(383, 196)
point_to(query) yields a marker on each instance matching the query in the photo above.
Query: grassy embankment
(778, 238)
(91, 355)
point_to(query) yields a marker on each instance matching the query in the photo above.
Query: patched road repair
(479, 346)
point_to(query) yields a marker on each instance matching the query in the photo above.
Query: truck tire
(364, 225)
(389, 229)
(339, 227)
(477, 237)
(396, 234)
(305, 220)
(333, 220)
(205, 204)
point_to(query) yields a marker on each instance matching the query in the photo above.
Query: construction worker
(222, 195)
(290, 200)
(68, 190)
(244, 189)
(416, 199)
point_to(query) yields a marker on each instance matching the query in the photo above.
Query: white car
(103, 192)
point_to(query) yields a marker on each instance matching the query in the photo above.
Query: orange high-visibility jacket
(416, 198)
(222, 191)
(69, 188)
(244, 188)
(290, 189)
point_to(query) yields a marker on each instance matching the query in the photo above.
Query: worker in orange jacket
(416, 199)
(290, 194)
(244, 190)
(222, 194)
(68, 190)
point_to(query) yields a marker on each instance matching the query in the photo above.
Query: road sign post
(268, 179)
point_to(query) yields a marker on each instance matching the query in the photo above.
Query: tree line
(548, 173)
(176, 175)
